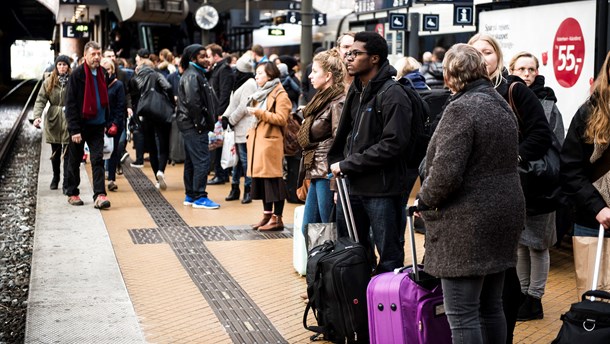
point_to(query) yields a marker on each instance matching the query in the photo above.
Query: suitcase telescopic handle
(598, 257)
(410, 212)
(347, 207)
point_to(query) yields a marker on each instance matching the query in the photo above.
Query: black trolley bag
(588, 321)
(338, 273)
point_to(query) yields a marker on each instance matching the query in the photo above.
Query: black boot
(247, 197)
(55, 182)
(234, 194)
(531, 309)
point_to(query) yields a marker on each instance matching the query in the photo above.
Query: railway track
(19, 162)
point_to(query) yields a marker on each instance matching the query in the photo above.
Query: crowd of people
(488, 226)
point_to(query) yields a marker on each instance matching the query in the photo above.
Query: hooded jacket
(372, 147)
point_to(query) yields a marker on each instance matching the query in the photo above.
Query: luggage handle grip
(347, 207)
(596, 293)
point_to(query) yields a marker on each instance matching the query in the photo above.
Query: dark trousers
(57, 150)
(196, 163)
(383, 217)
(511, 297)
(219, 172)
(93, 135)
(156, 138)
(113, 162)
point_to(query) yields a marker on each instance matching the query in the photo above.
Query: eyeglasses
(352, 54)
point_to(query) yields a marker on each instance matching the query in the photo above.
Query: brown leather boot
(266, 218)
(275, 224)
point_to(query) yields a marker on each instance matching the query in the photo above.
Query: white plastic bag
(229, 152)
(108, 146)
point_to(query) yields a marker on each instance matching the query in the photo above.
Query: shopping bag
(108, 146)
(318, 233)
(229, 152)
(584, 263)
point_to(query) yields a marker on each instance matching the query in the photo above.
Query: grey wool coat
(472, 186)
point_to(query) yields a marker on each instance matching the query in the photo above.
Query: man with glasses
(370, 149)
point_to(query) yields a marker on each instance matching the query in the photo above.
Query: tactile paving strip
(240, 316)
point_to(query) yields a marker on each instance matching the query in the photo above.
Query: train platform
(151, 270)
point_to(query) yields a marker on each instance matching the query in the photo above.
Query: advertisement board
(563, 42)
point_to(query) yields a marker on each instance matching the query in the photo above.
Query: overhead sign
(430, 22)
(277, 32)
(318, 19)
(76, 30)
(462, 15)
(398, 21)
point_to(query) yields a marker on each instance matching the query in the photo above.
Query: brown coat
(266, 140)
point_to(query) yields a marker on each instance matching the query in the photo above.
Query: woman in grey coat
(471, 199)
(53, 92)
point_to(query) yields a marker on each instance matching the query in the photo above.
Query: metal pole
(601, 34)
(306, 33)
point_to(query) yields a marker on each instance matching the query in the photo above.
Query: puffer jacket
(372, 147)
(326, 120)
(55, 125)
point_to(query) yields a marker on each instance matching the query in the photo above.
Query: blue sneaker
(205, 203)
(188, 200)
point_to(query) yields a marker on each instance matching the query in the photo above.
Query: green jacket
(54, 122)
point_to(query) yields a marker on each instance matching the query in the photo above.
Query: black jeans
(93, 135)
(156, 138)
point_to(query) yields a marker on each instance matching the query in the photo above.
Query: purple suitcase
(406, 306)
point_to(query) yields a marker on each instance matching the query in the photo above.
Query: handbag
(229, 156)
(317, 233)
(156, 106)
(584, 257)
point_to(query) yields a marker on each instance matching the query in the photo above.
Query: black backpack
(421, 125)
(211, 106)
(434, 98)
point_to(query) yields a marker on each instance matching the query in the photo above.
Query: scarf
(315, 107)
(261, 94)
(90, 102)
(63, 79)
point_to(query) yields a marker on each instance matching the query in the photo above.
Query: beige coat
(266, 140)
(55, 125)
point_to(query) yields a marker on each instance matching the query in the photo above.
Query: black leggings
(56, 153)
(278, 206)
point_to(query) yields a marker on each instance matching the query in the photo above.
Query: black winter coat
(577, 170)
(222, 79)
(371, 147)
(75, 95)
(192, 101)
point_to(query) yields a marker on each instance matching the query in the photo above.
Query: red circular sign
(568, 52)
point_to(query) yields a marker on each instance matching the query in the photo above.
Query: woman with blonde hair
(265, 145)
(408, 73)
(535, 139)
(53, 91)
(584, 164)
(317, 133)
(471, 199)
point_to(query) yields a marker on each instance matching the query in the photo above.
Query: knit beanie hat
(244, 64)
(187, 54)
(62, 58)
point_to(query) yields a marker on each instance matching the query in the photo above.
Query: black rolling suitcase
(176, 145)
(588, 321)
(338, 273)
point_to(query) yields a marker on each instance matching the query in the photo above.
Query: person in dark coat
(370, 149)
(541, 231)
(471, 199)
(118, 111)
(87, 115)
(534, 141)
(222, 79)
(584, 168)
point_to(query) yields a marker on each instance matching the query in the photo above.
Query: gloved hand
(225, 123)
(113, 130)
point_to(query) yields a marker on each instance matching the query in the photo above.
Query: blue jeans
(241, 167)
(474, 308)
(383, 217)
(196, 163)
(319, 203)
(590, 232)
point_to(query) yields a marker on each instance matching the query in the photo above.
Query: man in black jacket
(222, 79)
(194, 122)
(87, 114)
(370, 149)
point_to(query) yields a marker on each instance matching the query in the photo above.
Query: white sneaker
(161, 180)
